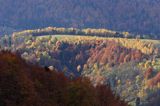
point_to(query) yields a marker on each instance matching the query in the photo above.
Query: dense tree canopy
(23, 84)
(138, 16)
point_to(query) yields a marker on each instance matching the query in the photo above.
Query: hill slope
(130, 66)
(138, 16)
(23, 84)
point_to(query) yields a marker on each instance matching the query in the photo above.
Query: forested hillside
(129, 66)
(82, 32)
(24, 84)
(137, 16)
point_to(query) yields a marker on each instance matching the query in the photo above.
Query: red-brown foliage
(154, 81)
(148, 73)
(112, 53)
(22, 84)
(104, 94)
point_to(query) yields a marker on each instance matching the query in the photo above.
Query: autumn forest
(79, 53)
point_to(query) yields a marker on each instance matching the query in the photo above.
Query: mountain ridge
(136, 16)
